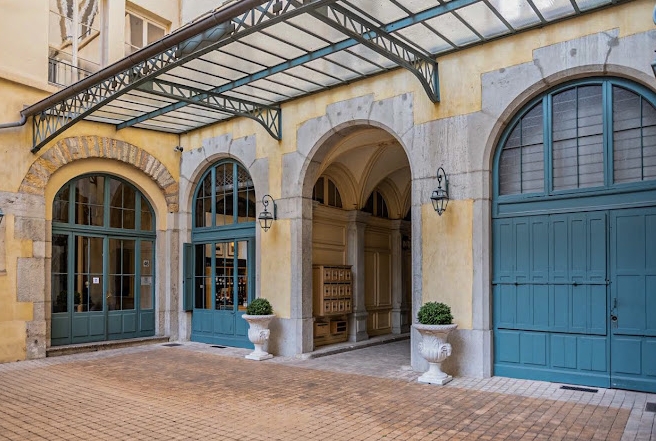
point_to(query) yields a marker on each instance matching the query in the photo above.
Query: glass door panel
(243, 285)
(202, 277)
(59, 290)
(122, 267)
(88, 279)
(224, 276)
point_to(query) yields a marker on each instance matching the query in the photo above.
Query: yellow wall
(460, 79)
(275, 251)
(13, 314)
(448, 259)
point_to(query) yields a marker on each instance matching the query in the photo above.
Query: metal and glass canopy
(249, 56)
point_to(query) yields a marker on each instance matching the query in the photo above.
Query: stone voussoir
(81, 147)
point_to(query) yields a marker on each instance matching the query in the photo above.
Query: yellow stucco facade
(447, 242)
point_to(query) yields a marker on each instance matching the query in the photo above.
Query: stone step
(56, 351)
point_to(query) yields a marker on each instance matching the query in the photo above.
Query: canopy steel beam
(368, 34)
(413, 19)
(269, 116)
(61, 115)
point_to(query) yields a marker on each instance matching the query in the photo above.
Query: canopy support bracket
(270, 117)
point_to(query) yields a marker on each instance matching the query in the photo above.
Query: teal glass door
(103, 262)
(633, 299)
(223, 286)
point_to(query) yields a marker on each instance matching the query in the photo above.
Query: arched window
(325, 192)
(592, 134)
(220, 262)
(219, 202)
(376, 205)
(103, 251)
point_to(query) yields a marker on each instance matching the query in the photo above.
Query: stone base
(431, 380)
(258, 357)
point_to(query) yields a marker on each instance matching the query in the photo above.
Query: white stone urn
(434, 348)
(258, 334)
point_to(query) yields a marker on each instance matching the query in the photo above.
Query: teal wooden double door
(574, 298)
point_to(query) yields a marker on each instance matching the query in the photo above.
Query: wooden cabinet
(332, 299)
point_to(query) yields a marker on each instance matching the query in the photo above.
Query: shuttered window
(589, 128)
(634, 137)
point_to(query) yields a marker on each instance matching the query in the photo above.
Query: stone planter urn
(258, 334)
(434, 348)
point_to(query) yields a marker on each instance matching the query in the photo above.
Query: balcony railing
(64, 74)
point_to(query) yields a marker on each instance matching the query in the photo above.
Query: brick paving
(198, 392)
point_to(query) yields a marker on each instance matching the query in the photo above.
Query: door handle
(613, 318)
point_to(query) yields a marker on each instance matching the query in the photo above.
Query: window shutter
(188, 274)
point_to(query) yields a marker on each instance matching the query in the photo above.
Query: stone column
(355, 257)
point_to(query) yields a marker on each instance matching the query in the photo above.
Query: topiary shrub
(434, 313)
(259, 307)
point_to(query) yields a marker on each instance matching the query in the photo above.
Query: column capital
(358, 216)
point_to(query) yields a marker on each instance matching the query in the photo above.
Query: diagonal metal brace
(269, 117)
(368, 34)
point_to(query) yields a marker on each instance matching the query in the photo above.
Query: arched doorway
(220, 261)
(574, 237)
(103, 271)
(361, 203)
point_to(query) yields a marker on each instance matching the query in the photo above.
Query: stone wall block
(35, 339)
(259, 171)
(292, 164)
(310, 132)
(355, 109)
(244, 149)
(591, 50)
(29, 228)
(92, 145)
(397, 113)
(31, 285)
(500, 87)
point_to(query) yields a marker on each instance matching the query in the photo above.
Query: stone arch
(72, 149)
(345, 182)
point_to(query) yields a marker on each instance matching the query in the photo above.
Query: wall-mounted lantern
(267, 217)
(440, 196)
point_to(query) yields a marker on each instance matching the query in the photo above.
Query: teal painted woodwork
(219, 264)
(574, 260)
(633, 299)
(103, 262)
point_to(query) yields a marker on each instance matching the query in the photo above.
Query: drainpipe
(22, 121)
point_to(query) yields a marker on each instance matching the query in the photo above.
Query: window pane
(224, 194)
(59, 288)
(147, 263)
(521, 165)
(202, 275)
(246, 196)
(60, 205)
(154, 33)
(146, 216)
(121, 274)
(578, 151)
(89, 199)
(317, 191)
(224, 299)
(204, 203)
(122, 202)
(134, 31)
(242, 278)
(634, 137)
(88, 274)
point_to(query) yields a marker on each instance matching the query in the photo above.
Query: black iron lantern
(440, 196)
(267, 217)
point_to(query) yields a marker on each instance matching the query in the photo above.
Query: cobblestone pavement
(195, 391)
